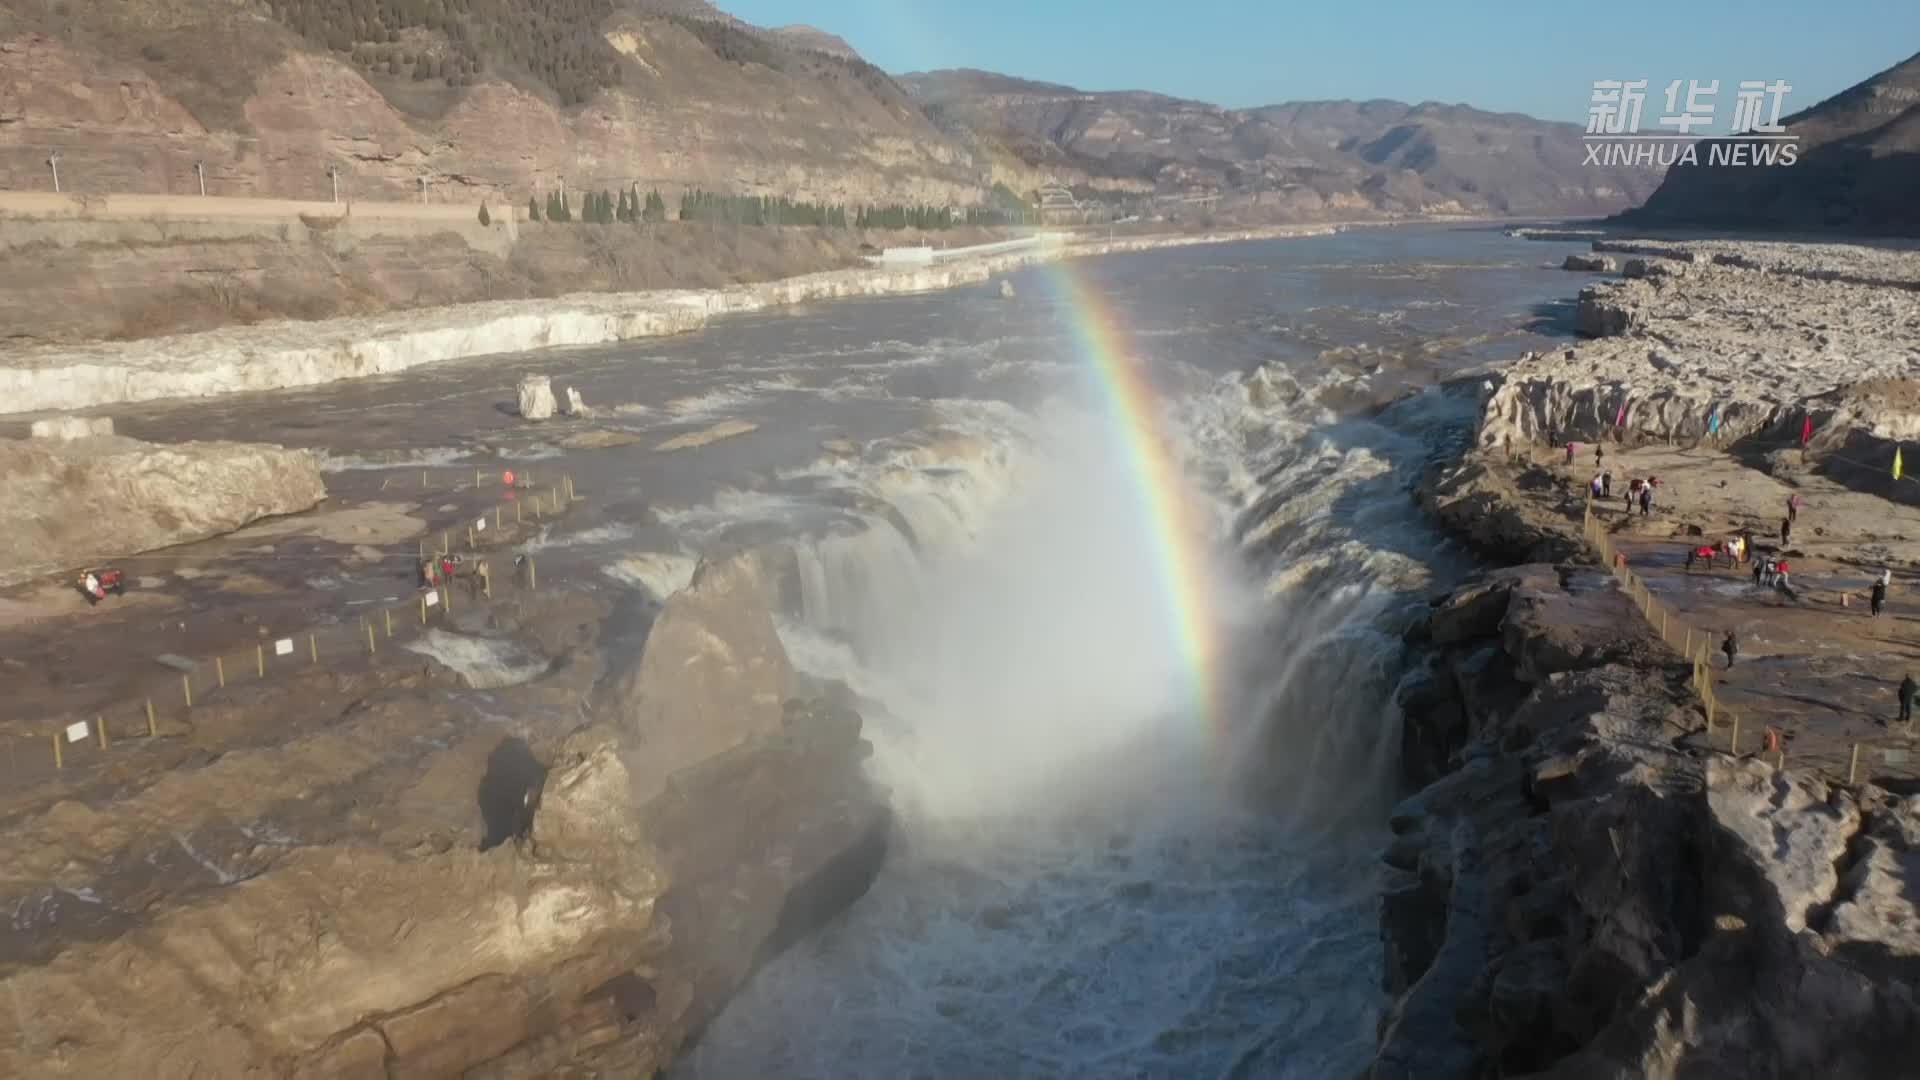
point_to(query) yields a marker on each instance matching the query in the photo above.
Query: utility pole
(200, 170)
(333, 173)
(53, 160)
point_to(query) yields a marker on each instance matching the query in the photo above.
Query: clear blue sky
(1533, 57)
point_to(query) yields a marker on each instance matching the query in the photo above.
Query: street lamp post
(200, 170)
(53, 161)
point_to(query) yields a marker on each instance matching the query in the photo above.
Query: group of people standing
(1637, 490)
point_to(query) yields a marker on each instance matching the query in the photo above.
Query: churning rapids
(1115, 854)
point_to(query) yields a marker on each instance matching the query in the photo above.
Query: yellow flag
(1896, 463)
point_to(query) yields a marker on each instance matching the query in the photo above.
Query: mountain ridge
(1858, 166)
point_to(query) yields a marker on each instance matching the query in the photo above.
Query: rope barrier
(338, 642)
(1669, 629)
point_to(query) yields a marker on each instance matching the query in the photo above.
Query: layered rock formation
(270, 97)
(1574, 894)
(70, 502)
(1728, 338)
(330, 904)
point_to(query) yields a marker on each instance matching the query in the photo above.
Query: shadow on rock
(509, 793)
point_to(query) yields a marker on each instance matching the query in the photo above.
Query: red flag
(1806, 430)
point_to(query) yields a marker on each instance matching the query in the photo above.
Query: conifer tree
(533, 209)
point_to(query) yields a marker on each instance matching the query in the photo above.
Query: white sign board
(433, 599)
(481, 525)
(283, 647)
(77, 732)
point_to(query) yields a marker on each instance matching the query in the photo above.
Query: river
(1141, 777)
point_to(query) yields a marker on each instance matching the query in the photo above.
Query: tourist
(1595, 488)
(1907, 689)
(1599, 456)
(1877, 601)
(1606, 485)
(1759, 572)
(1786, 533)
(1632, 493)
(1782, 581)
(1793, 507)
(1571, 447)
(1730, 646)
(1746, 544)
(1646, 500)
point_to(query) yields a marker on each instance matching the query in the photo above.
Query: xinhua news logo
(1614, 138)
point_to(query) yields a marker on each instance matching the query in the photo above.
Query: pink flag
(1620, 417)
(1806, 430)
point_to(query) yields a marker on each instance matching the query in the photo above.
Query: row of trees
(605, 208)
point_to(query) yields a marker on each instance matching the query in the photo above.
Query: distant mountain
(1858, 169)
(1330, 156)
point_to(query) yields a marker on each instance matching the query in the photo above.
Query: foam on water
(431, 457)
(485, 663)
(658, 574)
(1077, 888)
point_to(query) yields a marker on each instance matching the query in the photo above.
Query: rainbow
(1178, 529)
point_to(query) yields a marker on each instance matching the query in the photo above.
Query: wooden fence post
(1733, 743)
(423, 609)
(100, 729)
(186, 686)
(1853, 764)
(470, 544)
(370, 645)
(59, 762)
(313, 648)
(220, 670)
(152, 728)
(388, 615)
(533, 576)
(260, 659)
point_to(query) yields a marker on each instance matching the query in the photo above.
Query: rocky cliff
(1858, 164)
(67, 503)
(1731, 339)
(355, 892)
(1300, 160)
(1575, 894)
(494, 98)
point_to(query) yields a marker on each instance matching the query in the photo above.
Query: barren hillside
(471, 96)
(1858, 169)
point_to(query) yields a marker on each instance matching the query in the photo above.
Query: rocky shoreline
(282, 355)
(1585, 882)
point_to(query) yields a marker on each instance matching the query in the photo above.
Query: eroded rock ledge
(1575, 895)
(332, 905)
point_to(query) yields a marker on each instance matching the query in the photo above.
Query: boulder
(576, 407)
(713, 672)
(1470, 612)
(1006, 289)
(89, 500)
(536, 397)
(1598, 263)
(72, 427)
(1598, 314)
